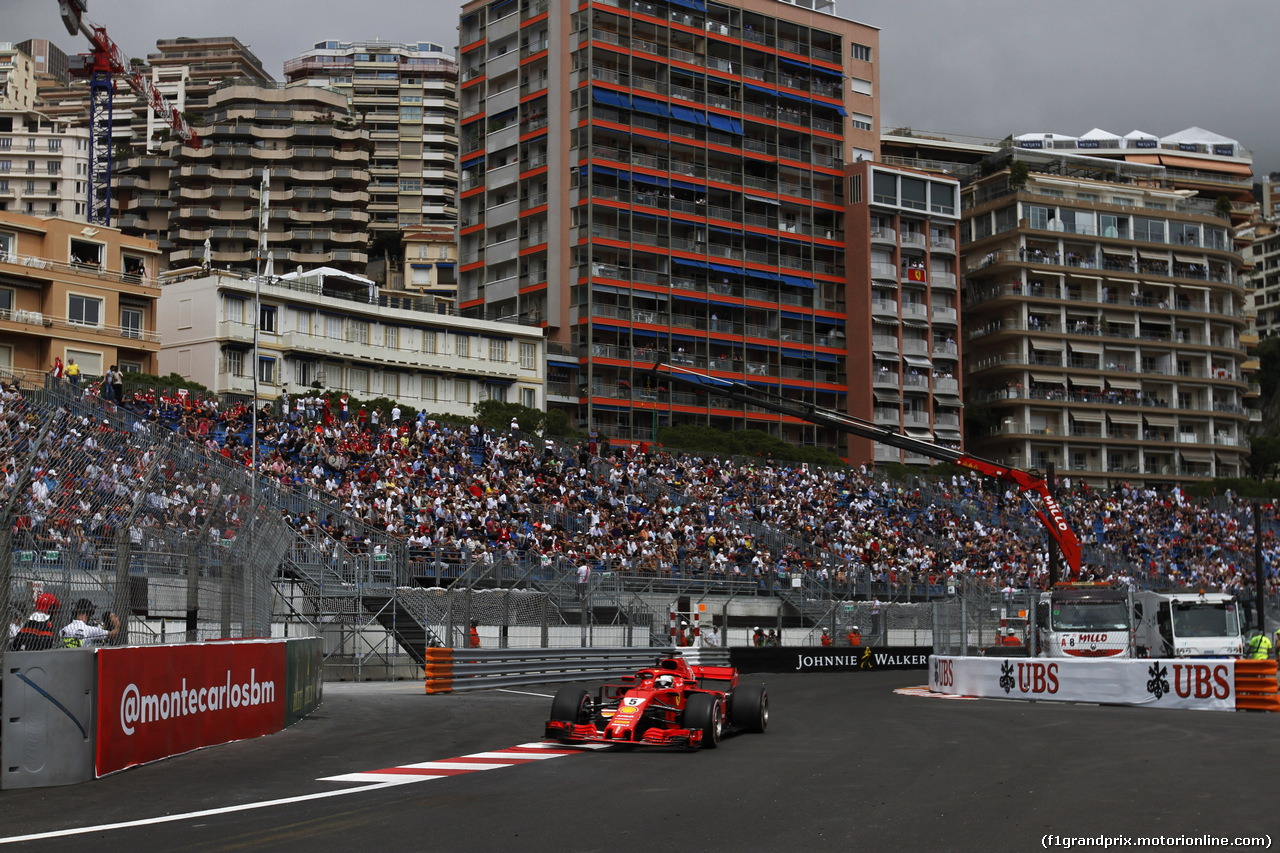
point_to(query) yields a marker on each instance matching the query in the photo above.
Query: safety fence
(107, 519)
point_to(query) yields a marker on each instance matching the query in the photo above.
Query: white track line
(244, 807)
(525, 693)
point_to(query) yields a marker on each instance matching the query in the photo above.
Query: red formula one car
(670, 704)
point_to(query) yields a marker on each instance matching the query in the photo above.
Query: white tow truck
(1187, 624)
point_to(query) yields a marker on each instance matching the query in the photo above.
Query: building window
(428, 388)
(130, 367)
(86, 254)
(860, 121)
(860, 52)
(358, 380)
(234, 360)
(135, 268)
(302, 321)
(391, 385)
(84, 310)
(131, 322)
(267, 370)
(6, 303)
(429, 341)
(233, 310)
(498, 351)
(90, 362)
(358, 332)
(267, 319)
(391, 337)
(332, 327)
(860, 86)
(528, 356)
(462, 390)
(303, 373)
(497, 393)
(6, 240)
(529, 398)
(463, 346)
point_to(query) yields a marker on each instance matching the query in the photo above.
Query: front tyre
(749, 709)
(704, 713)
(571, 705)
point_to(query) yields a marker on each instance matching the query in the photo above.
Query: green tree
(497, 415)
(1222, 207)
(1018, 174)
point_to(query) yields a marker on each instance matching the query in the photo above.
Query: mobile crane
(100, 66)
(1049, 512)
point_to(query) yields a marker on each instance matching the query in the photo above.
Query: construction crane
(101, 66)
(1049, 512)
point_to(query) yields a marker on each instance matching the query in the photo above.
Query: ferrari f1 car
(670, 704)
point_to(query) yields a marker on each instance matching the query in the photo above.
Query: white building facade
(326, 329)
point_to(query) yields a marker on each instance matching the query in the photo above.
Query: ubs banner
(156, 701)
(829, 658)
(1205, 684)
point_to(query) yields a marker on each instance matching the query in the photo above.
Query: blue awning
(689, 299)
(699, 379)
(676, 337)
(801, 98)
(685, 185)
(645, 105)
(605, 170)
(798, 282)
(720, 122)
(605, 96)
(648, 179)
(763, 276)
(753, 87)
(807, 67)
(728, 269)
(792, 315)
(697, 5)
(686, 114)
(471, 161)
(449, 264)
(835, 107)
(827, 357)
(737, 126)
(688, 263)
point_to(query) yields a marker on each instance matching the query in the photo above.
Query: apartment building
(44, 165)
(47, 58)
(407, 97)
(904, 299)
(319, 163)
(1263, 277)
(72, 291)
(329, 329)
(666, 180)
(1104, 321)
(17, 78)
(429, 265)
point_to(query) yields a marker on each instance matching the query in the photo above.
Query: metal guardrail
(481, 669)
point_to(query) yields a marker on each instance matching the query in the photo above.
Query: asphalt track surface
(846, 764)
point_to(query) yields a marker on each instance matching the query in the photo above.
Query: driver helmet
(665, 681)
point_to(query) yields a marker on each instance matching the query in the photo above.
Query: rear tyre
(703, 713)
(571, 705)
(749, 709)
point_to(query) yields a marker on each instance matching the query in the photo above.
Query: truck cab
(1083, 621)
(1187, 624)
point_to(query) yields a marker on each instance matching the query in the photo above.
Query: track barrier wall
(829, 659)
(458, 670)
(71, 715)
(1210, 684)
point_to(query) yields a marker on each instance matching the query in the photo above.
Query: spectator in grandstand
(37, 632)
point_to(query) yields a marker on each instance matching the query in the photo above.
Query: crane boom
(1049, 512)
(108, 62)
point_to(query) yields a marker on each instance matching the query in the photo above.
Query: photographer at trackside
(78, 633)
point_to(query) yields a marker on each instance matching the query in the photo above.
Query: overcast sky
(974, 67)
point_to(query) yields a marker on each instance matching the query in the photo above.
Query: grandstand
(392, 538)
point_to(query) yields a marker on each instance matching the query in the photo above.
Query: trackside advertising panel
(304, 664)
(1207, 685)
(156, 701)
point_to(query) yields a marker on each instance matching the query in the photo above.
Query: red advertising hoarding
(156, 701)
